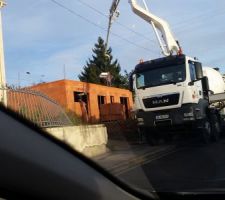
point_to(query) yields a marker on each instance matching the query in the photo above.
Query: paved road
(192, 167)
(123, 156)
(181, 166)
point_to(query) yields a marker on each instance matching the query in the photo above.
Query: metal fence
(36, 107)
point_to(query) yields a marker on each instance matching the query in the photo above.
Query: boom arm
(171, 44)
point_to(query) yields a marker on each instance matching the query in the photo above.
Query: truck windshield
(161, 76)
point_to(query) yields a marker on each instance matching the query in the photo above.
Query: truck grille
(159, 101)
(163, 123)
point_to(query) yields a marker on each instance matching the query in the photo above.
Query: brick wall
(63, 92)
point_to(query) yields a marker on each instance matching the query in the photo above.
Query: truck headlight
(140, 119)
(189, 114)
(189, 119)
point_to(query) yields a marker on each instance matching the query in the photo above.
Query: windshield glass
(161, 76)
(65, 66)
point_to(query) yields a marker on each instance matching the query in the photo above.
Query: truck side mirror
(198, 70)
(205, 84)
(131, 87)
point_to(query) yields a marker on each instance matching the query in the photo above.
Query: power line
(181, 26)
(97, 25)
(137, 45)
(124, 26)
(184, 25)
(140, 34)
(77, 14)
(93, 8)
(128, 28)
(202, 16)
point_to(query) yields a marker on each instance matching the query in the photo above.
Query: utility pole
(18, 79)
(113, 13)
(3, 97)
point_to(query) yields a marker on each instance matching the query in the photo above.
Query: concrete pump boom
(171, 45)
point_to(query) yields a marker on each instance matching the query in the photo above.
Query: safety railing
(36, 107)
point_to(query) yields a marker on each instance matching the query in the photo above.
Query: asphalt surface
(190, 168)
(183, 166)
(124, 156)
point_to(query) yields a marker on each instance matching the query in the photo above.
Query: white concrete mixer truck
(175, 92)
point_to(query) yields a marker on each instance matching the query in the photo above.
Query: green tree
(126, 79)
(102, 61)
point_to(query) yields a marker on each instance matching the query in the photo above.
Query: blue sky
(41, 37)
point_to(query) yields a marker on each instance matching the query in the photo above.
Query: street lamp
(41, 79)
(41, 76)
(19, 78)
(107, 76)
(29, 80)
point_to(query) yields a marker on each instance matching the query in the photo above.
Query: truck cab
(169, 91)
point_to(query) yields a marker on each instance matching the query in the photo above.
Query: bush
(74, 118)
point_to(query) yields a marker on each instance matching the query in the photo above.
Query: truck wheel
(216, 129)
(151, 137)
(141, 133)
(168, 139)
(206, 132)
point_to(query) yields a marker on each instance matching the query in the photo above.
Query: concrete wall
(94, 90)
(90, 140)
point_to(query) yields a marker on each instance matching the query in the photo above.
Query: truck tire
(168, 138)
(216, 128)
(206, 132)
(151, 137)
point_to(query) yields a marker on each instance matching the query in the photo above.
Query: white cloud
(42, 37)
